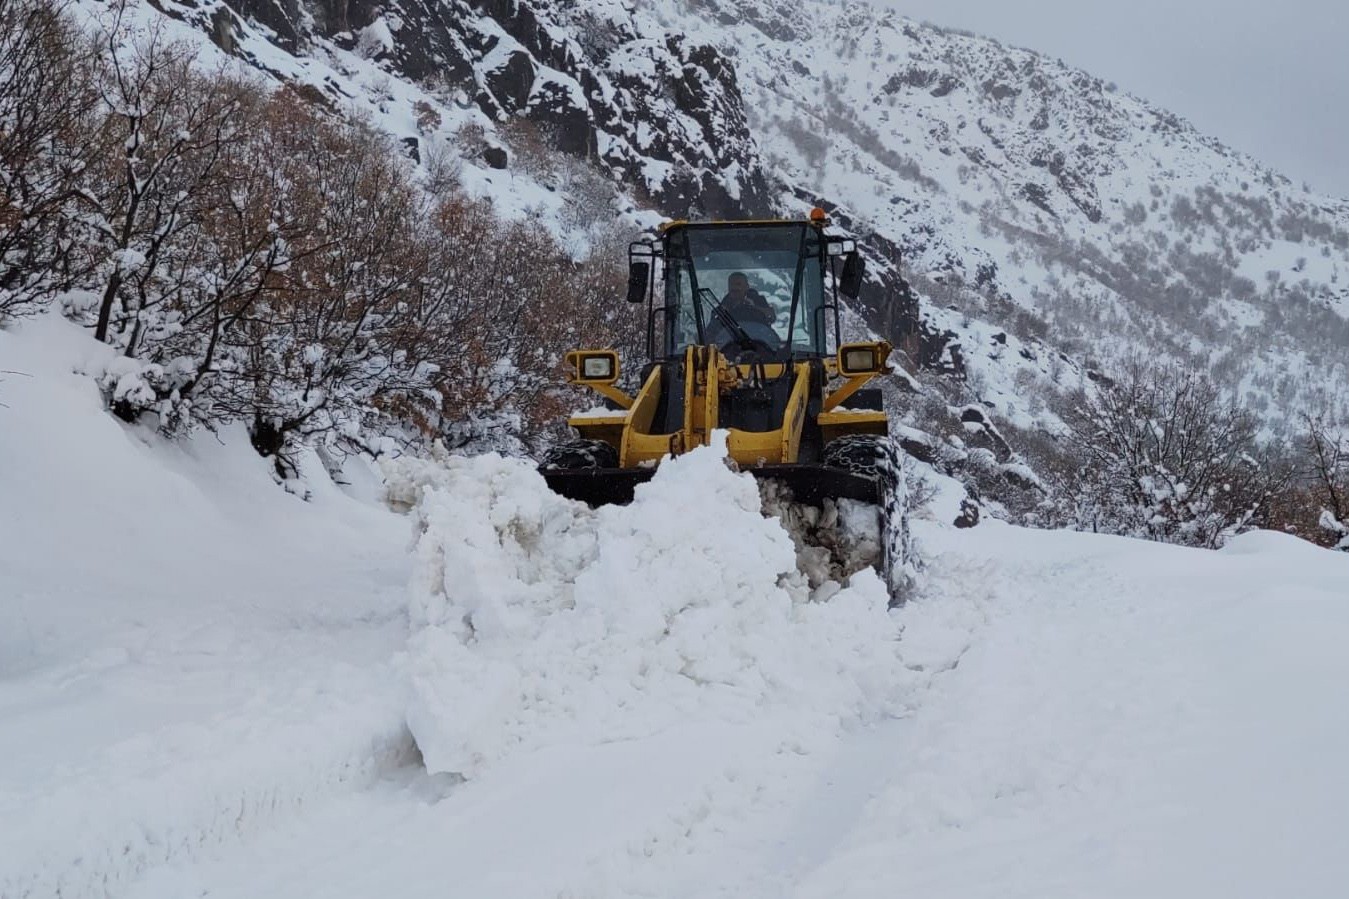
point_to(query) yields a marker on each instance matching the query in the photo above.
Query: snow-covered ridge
(1034, 198)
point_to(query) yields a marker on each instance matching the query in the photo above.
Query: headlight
(593, 367)
(598, 368)
(859, 360)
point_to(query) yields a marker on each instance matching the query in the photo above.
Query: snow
(209, 686)
(1330, 523)
(598, 412)
(1146, 742)
(357, 81)
(185, 649)
(375, 39)
(545, 621)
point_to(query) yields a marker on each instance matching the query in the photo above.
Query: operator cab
(782, 265)
(756, 290)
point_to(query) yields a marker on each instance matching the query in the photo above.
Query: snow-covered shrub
(501, 302)
(1327, 471)
(316, 349)
(170, 128)
(1336, 528)
(175, 240)
(1163, 456)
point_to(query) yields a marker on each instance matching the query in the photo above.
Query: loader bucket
(597, 486)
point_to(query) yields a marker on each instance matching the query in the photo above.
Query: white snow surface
(542, 621)
(211, 687)
(187, 651)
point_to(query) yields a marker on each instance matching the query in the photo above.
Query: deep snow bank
(543, 621)
(188, 653)
(110, 533)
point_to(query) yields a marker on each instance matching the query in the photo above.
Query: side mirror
(639, 276)
(850, 281)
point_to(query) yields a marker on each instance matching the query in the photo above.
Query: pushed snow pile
(540, 621)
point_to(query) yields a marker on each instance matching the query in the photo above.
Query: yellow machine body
(709, 376)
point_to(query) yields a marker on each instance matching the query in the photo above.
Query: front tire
(877, 457)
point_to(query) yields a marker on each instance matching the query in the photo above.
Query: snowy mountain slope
(1011, 190)
(1039, 199)
(621, 703)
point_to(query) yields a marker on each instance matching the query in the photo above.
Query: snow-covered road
(208, 687)
(1099, 720)
(1128, 720)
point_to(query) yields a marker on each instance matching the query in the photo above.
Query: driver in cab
(744, 303)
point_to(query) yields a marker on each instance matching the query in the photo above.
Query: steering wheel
(758, 338)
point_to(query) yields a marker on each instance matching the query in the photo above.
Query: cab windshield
(745, 286)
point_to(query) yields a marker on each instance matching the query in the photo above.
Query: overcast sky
(1268, 77)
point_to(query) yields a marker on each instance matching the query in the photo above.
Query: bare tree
(173, 126)
(1163, 456)
(255, 258)
(313, 353)
(248, 237)
(49, 135)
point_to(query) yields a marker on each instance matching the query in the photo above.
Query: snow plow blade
(809, 484)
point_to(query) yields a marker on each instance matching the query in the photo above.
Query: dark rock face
(513, 82)
(922, 450)
(222, 29)
(427, 42)
(281, 16)
(981, 433)
(888, 302)
(969, 513)
(595, 88)
(586, 83)
(1037, 195)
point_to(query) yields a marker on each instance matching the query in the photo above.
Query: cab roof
(677, 224)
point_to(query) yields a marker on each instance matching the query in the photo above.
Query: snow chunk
(541, 621)
(1273, 544)
(599, 412)
(375, 39)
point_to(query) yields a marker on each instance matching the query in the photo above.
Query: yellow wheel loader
(738, 337)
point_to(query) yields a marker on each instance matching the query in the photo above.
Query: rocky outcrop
(661, 111)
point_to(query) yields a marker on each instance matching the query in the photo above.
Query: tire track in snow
(183, 791)
(774, 811)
